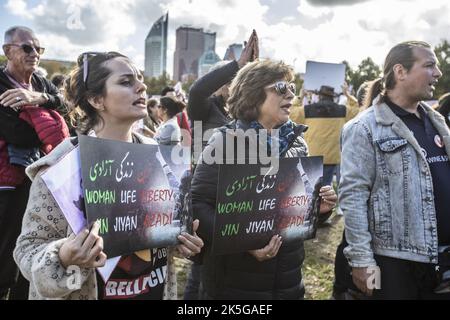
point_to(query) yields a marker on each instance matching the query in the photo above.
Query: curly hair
(247, 92)
(82, 115)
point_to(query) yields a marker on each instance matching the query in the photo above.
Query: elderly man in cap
(20, 86)
(325, 120)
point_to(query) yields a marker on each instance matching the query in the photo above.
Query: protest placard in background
(251, 207)
(323, 73)
(136, 192)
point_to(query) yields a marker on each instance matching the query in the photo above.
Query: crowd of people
(387, 148)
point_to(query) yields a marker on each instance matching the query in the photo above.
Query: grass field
(318, 268)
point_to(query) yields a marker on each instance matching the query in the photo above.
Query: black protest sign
(251, 207)
(136, 192)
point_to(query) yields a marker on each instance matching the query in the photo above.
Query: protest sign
(321, 73)
(136, 192)
(63, 180)
(251, 207)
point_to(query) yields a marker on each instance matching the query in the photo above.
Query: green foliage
(443, 54)
(348, 72)
(367, 71)
(3, 60)
(156, 84)
(55, 67)
(298, 82)
(187, 85)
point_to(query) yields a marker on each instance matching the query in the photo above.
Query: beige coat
(45, 229)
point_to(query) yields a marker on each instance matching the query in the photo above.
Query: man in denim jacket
(396, 181)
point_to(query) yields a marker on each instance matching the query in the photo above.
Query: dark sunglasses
(28, 49)
(282, 87)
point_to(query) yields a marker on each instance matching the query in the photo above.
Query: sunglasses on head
(28, 49)
(282, 87)
(83, 59)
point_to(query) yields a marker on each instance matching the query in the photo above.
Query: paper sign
(322, 73)
(251, 208)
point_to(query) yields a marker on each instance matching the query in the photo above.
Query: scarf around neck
(286, 135)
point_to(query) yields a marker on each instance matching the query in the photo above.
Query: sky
(290, 30)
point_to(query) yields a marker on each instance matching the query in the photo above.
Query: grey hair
(11, 32)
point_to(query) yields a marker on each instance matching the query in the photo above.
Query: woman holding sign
(260, 98)
(107, 95)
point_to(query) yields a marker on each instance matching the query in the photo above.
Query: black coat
(241, 276)
(205, 107)
(17, 131)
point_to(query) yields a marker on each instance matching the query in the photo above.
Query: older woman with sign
(107, 94)
(260, 98)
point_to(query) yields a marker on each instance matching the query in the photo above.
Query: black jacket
(241, 276)
(17, 131)
(444, 109)
(203, 106)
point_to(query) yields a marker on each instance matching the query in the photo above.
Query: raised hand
(251, 50)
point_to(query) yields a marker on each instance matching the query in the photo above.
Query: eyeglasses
(28, 49)
(282, 87)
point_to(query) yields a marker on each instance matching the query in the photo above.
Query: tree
(443, 54)
(349, 73)
(3, 61)
(53, 67)
(187, 84)
(298, 82)
(367, 71)
(156, 84)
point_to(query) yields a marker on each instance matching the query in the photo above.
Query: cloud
(290, 30)
(287, 11)
(86, 23)
(408, 22)
(20, 9)
(329, 3)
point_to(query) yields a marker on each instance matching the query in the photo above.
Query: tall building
(156, 48)
(233, 52)
(206, 61)
(191, 44)
(210, 41)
